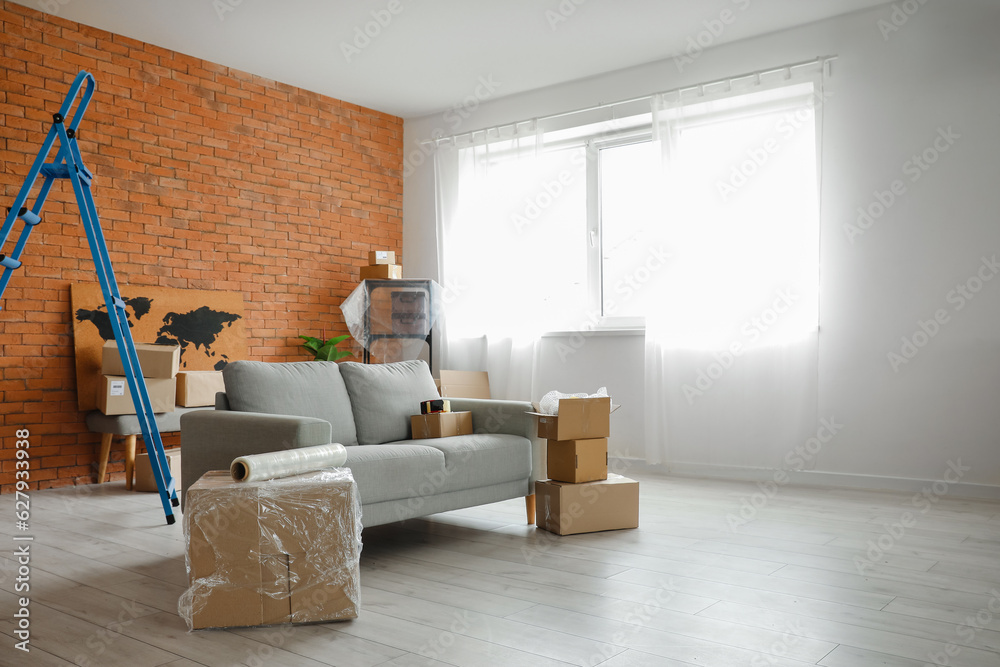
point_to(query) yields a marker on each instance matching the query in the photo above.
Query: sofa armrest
(210, 439)
(511, 417)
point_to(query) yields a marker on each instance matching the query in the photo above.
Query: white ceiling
(430, 55)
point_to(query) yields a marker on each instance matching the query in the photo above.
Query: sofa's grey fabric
(303, 388)
(375, 514)
(496, 416)
(476, 460)
(384, 396)
(211, 439)
(394, 471)
(221, 400)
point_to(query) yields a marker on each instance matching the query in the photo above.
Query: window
(703, 213)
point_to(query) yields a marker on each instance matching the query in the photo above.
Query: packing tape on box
(257, 467)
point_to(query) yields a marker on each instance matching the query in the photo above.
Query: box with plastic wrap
(276, 551)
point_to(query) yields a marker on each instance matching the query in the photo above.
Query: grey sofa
(275, 406)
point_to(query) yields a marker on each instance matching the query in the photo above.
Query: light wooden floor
(478, 587)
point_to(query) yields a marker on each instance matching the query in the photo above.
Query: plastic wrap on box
(375, 313)
(549, 405)
(258, 467)
(265, 553)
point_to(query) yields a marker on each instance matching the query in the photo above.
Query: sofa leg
(529, 506)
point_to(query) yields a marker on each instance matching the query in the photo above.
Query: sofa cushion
(394, 471)
(480, 459)
(384, 396)
(301, 388)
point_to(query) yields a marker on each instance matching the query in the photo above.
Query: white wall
(940, 70)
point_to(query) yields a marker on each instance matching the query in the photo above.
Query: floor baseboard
(815, 478)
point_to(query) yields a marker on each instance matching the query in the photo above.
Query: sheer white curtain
(510, 225)
(731, 349)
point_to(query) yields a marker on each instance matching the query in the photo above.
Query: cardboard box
(578, 419)
(198, 388)
(144, 480)
(441, 425)
(382, 272)
(464, 384)
(377, 257)
(116, 399)
(569, 509)
(280, 551)
(577, 461)
(156, 361)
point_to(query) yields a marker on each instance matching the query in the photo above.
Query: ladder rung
(53, 170)
(9, 262)
(29, 217)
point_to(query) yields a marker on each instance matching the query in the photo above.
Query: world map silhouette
(196, 329)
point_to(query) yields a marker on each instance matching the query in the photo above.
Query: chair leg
(529, 506)
(129, 460)
(102, 462)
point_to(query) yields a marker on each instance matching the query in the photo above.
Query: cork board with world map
(209, 326)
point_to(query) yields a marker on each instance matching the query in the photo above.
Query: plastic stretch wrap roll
(259, 467)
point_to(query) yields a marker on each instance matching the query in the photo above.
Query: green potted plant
(326, 350)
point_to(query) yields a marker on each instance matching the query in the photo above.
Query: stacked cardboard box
(159, 364)
(198, 388)
(279, 551)
(381, 266)
(145, 480)
(580, 496)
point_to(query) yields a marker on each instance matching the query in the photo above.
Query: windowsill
(610, 331)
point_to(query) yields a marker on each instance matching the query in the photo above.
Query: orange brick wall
(206, 178)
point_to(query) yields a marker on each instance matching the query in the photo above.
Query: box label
(117, 388)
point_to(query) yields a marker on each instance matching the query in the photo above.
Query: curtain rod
(823, 60)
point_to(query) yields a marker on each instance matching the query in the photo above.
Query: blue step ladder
(68, 164)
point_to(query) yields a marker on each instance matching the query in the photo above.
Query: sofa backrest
(384, 396)
(300, 388)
